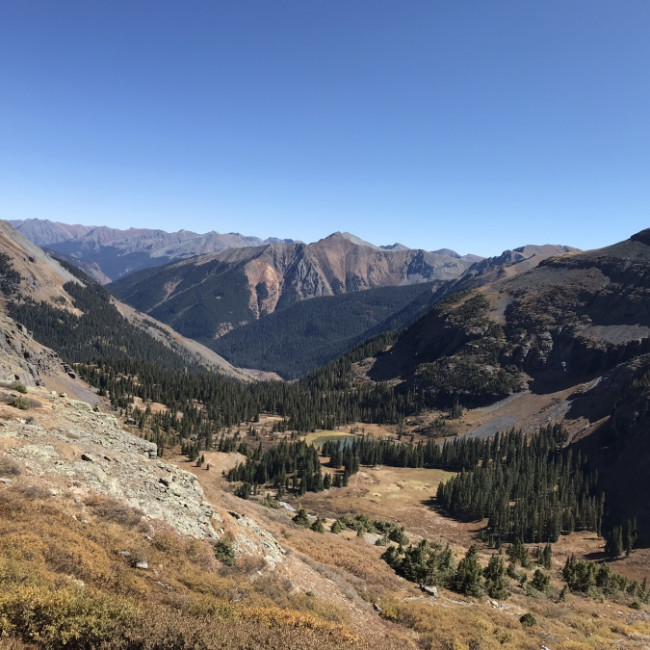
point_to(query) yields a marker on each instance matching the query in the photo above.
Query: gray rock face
(21, 357)
(252, 539)
(95, 455)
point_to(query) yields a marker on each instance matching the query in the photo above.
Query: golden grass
(67, 579)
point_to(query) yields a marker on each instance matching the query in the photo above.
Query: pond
(317, 439)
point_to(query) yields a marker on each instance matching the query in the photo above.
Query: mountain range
(110, 253)
(253, 303)
(96, 522)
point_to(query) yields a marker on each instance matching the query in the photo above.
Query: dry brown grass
(8, 466)
(111, 509)
(67, 578)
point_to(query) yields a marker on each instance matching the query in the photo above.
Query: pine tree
(496, 583)
(317, 526)
(541, 580)
(546, 556)
(614, 545)
(337, 527)
(518, 554)
(629, 536)
(469, 576)
(301, 518)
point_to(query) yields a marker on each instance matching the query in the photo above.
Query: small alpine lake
(320, 437)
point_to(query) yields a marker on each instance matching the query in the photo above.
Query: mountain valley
(137, 466)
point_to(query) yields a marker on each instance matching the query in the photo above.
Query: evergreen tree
(518, 554)
(541, 580)
(302, 519)
(468, 579)
(496, 583)
(614, 542)
(317, 526)
(545, 557)
(337, 526)
(629, 536)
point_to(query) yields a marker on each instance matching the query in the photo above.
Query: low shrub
(8, 467)
(20, 402)
(224, 552)
(114, 510)
(18, 386)
(65, 617)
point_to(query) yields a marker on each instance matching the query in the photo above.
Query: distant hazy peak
(447, 251)
(534, 249)
(349, 237)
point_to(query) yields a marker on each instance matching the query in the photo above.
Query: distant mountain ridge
(207, 296)
(107, 254)
(119, 252)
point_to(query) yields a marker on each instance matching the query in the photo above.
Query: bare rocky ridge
(22, 358)
(87, 451)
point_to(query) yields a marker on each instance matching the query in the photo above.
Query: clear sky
(471, 125)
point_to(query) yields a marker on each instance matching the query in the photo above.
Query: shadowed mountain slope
(70, 312)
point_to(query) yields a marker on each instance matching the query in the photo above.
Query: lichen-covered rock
(90, 450)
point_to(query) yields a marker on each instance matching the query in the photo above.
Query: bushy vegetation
(432, 564)
(20, 402)
(582, 576)
(18, 386)
(64, 584)
(426, 563)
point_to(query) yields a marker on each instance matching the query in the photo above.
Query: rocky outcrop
(22, 358)
(86, 451)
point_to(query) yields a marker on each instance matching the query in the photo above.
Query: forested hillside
(311, 333)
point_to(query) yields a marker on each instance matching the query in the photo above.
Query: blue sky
(477, 126)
